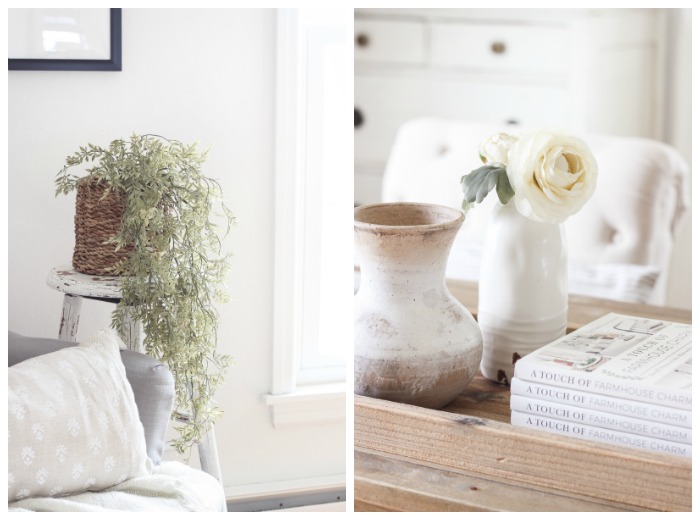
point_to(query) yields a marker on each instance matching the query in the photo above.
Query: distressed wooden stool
(78, 286)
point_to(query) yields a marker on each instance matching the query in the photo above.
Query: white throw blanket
(172, 486)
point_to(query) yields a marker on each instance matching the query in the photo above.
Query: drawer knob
(498, 47)
(362, 40)
(359, 118)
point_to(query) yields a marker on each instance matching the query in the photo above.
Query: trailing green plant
(173, 279)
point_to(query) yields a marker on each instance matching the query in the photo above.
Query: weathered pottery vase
(414, 342)
(523, 297)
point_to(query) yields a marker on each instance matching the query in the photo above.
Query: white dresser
(583, 70)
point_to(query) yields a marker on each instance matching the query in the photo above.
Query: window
(313, 242)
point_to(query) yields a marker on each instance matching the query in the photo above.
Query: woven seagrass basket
(97, 219)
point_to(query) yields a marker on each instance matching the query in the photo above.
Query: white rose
(495, 148)
(553, 175)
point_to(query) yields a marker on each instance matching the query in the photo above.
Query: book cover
(601, 419)
(603, 403)
(622, 356)
(593, 433)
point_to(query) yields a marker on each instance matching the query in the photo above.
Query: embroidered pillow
(73, 424)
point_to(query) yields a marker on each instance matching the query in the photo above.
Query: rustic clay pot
(414, 342)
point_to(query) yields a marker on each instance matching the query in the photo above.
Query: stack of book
(620, 379)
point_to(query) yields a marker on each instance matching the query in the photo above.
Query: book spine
(601, 419)
(592, 433)
(603, 403)
(529, 369)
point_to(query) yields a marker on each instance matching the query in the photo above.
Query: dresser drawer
(401, 42)
(386, 102)
(500, 47)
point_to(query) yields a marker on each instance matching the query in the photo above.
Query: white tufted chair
(620, 243)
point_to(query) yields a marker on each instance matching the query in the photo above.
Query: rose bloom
(495, 148)
(553, 175)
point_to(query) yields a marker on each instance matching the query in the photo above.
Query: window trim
(288, 201)
(290, 402)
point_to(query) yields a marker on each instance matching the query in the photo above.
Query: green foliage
(174, 277)
(477, 184)
(504, 190)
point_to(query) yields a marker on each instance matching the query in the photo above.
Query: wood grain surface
(409, 458)
(390, 484)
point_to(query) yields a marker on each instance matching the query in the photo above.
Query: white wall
(195, 75)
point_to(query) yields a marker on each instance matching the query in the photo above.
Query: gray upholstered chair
(154, 393)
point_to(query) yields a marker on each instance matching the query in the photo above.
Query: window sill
(308, 404)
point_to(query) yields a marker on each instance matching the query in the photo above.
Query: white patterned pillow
(73, 422)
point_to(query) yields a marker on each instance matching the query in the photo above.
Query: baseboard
(286, 494)
(335, 507)
(325, 501)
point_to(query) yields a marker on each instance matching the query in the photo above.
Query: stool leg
(209, 455)
(70, 316)
(131, 334)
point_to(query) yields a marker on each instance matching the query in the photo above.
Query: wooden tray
(468, 456)
(473, 437)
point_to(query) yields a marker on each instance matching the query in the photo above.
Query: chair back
(622, 238)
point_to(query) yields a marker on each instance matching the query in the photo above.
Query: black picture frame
(114, 63)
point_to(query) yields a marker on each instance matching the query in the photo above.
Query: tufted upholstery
(627, 228)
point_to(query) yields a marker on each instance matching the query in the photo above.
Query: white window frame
(317, 395)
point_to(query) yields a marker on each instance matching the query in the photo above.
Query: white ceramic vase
(414, 342)
(523, 298)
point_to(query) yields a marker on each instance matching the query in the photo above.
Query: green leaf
(477, 184)
(504, 190)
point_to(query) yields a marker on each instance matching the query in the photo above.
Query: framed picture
(65, 39)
